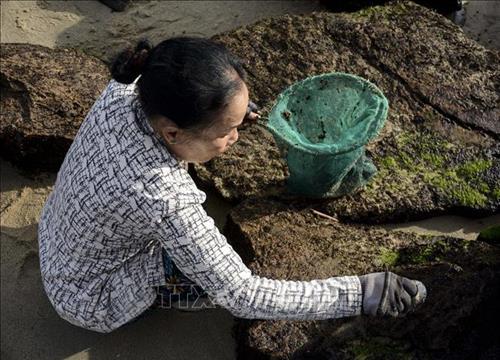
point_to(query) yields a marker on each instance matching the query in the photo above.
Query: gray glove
(386, 293)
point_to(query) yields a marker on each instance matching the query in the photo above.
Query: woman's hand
(388, 294)
(252, 114)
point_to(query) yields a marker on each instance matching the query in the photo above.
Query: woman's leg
(177, 293)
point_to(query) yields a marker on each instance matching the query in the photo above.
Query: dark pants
(178, 287)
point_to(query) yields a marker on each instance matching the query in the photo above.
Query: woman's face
(202, 146)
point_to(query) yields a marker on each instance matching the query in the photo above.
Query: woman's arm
(203, 254)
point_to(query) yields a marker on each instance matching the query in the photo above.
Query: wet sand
(30, 328)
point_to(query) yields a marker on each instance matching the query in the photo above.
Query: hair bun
(130, 63)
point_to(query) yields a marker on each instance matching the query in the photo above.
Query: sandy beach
(93, 27)
(30, 328)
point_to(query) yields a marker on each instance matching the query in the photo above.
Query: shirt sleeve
(203, 254)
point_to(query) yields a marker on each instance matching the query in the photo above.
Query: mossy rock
(431, 56)
(289, 243)
(491, 235)
(421, 173)
(438, 152)
(45, 95)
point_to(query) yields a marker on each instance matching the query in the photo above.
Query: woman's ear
(167, 129)
(170, 134)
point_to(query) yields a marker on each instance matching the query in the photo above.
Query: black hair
(186, 79)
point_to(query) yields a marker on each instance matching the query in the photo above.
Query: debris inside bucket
(322, 136)
(286, 115)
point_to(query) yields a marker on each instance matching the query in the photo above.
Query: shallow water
(481, 21)
(456, 226)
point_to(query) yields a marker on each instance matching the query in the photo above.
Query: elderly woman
(124, 227)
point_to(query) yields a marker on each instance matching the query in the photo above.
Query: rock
(439, 149)
(243, 168)
(431, 56)
(283, 242)
(46, 94)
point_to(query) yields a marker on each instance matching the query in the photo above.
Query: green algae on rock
(439, 149)
(46, 94)
(433, 172)
(278, 241)
(491, 235)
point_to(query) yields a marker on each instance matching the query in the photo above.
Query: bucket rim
(298, 143)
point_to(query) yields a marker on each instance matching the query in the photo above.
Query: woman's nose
(234, 136)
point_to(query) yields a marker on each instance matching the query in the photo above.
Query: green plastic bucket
(322, 125)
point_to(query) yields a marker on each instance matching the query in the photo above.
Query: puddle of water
(480, 20)
(456, 226)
